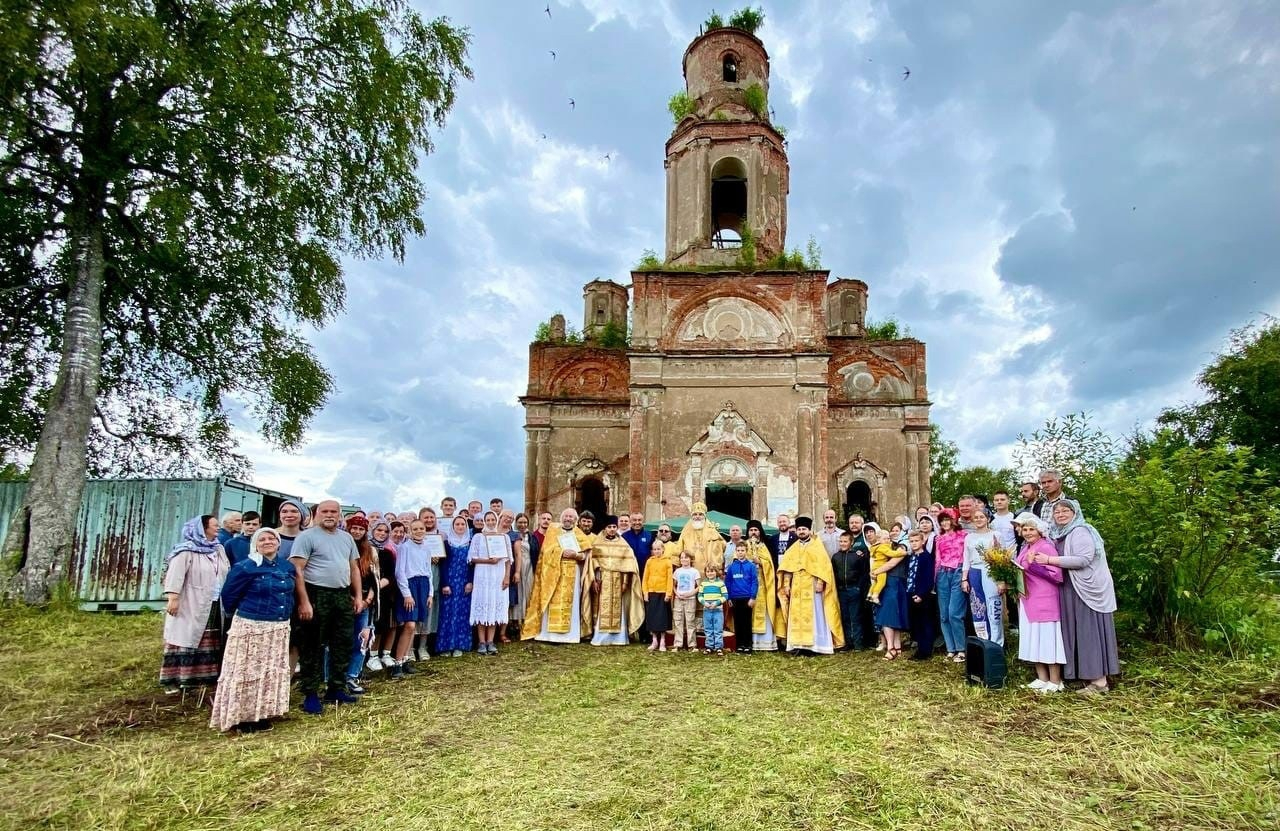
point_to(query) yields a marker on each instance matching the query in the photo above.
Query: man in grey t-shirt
(329, 597)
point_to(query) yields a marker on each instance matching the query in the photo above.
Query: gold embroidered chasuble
(705, 545)
(767, 594)
(807, 562)
(553, 585)
(616, 563)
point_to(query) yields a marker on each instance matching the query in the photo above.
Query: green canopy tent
(722, 522)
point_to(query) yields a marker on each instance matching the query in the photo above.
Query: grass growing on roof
(595, 738)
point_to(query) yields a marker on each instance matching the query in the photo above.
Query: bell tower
(727, 169)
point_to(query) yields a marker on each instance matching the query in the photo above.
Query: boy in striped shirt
(712, 595)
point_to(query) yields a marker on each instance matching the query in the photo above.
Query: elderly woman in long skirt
(193, 620)
(258, 597)
(1088, 599)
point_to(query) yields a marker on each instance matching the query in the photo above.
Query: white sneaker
(1035, 685)
(374, 664)
(1048, 687)
(880, 647)
(457, 653)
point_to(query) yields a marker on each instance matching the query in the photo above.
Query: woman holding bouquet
(986, 597)
(1039, 626)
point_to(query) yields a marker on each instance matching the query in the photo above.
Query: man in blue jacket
(742, 579)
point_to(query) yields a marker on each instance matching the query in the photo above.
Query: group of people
(328, 600)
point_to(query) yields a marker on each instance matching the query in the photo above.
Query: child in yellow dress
(881, 553)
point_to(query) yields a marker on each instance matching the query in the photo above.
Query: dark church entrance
(734, 500)
(591, 495)
(857, 500)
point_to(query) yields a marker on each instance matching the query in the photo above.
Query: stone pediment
(871, 375)
(731, 322)
(730, 428)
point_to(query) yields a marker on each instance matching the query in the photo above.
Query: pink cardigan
(1041, 603)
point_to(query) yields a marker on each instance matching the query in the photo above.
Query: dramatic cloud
(1072, 204)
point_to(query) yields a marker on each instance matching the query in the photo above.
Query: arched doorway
(734, 500)
(857, 499)
(590, 494)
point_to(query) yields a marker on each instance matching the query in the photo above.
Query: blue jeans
(951, 606)
(713, 627)
(357, 654)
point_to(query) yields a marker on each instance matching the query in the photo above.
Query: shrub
(887, 329)
(756, 100)
(1191, 534)
(788, 262)
(748, 19)
(681, 106)
(813, 255)
(648, 261)
(747, 253)
(543, 333)
(714, 21)
(613, 335)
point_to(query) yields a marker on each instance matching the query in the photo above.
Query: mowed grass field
(586, 738)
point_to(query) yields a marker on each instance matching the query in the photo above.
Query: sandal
(891, 654)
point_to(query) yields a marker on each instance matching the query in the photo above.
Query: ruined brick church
(753, 390)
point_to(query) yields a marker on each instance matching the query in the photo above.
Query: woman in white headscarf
(258, 599)
(1088, 599)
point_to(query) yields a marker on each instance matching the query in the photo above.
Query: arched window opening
(857, 500)
(728, 202)
(730, 68)
(592, 495)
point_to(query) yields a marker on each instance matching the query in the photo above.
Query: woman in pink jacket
(1039, 613)
(948, 558)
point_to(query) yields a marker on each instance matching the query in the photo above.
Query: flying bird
(553, 54)
(906, 72)
(573, 105)
(548, 11)
(544, 135)
(606, 157)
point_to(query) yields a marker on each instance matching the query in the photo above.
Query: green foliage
(1071, 445)
(1243, 403)
(573, 336)
(681, 106)
(747, 253)
(782, 131)
(784, 261)
(231, 156)
(747, 19)
(948, 482)
(756, 100)
(613, 335)
(888, 329)
(542, 334)
(813, 255)
(1190, 535)
(713, 21)
(719, 115)
(649, 261)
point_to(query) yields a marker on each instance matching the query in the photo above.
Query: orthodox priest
(701, 539)
(765, 618)
(615, 588)
(807, 595)
(559, 608)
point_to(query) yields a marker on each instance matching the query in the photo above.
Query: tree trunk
(41, 534)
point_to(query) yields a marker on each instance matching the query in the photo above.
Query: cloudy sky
(1071, 203)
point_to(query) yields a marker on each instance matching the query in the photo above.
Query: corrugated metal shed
(128, 526)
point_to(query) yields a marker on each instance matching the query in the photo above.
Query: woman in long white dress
(491, 555)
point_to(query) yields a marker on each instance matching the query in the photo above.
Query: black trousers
(331, 626)
(742, 614)
(923, 617)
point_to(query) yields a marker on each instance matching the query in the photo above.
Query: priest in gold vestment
(559, 607)
(765, 621)
(810, 609)
(618, 599)
(701, 539)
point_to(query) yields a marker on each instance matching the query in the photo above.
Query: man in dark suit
(785, 538)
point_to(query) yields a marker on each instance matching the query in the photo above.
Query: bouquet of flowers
(1003, 569)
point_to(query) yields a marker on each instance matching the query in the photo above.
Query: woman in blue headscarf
(193, 579)
(1088, 599)
(454, 636)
